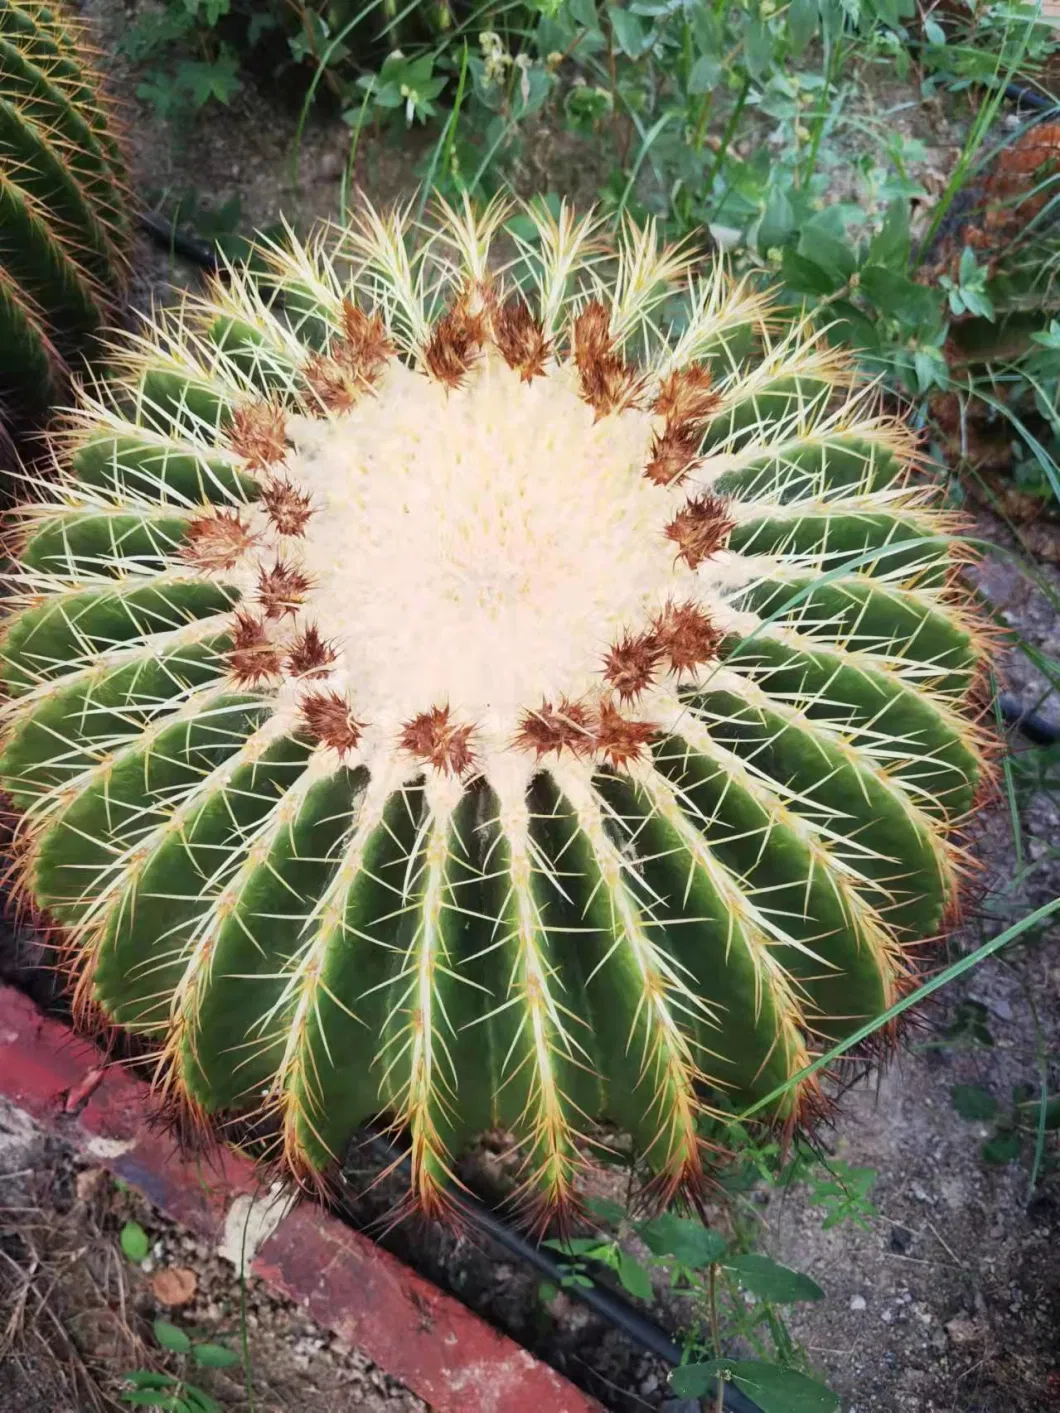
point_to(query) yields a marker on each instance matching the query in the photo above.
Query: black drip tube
(1030, 98)
(165, 233)
(607, 1303)
(1035, 727)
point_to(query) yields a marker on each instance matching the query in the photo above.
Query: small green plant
(64, 207)
(149, 1388)
(1013, 1126)
(730, 1295)
(842, 1191)
(192, 53)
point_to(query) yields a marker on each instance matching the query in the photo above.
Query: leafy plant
(149, 1388)
(731, 1295)
(64, 222)
(194, 52)
(1011, 1127)
(427, 701)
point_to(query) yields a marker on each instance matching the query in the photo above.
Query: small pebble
(858, 1302)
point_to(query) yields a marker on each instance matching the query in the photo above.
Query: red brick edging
(433, 1344)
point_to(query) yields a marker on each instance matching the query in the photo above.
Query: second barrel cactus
(64, 211)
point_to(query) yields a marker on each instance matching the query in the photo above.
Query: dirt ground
(78, 1313)
(948, 1301)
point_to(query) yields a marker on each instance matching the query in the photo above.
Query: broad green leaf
(833, 254)
(899, 297)
(805, 276)
(758, 48)
(890, 245)
(214, 1356)
(1002, 1148)
(848, 325)
(803, 17)
(198, 1401)
(148, 1378)
(694, 1380)
(633, 1276)
(775, 1390)
(707, 73)
(170, 1337)
(606, 1209)
(630, 34)
(770, 1281)
(1030, 1109)
(972, 1101)
(684, 1238)
(777, 222)
(134, 1241)
(577, 1245)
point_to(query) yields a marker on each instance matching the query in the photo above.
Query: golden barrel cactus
(480, 693)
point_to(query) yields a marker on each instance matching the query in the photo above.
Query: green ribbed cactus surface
(64, 223)
(480, 693)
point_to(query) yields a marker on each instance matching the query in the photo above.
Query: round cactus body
(486, 695)
(64, 223)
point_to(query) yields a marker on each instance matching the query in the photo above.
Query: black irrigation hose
(607, 1303)
(1030, 98)
(1037, 729)
(166, 234)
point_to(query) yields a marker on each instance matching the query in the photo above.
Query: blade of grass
(443, 148)
(984, 121)
(1010, 786)
(951, 973)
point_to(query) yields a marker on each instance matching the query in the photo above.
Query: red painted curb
(415, 1332)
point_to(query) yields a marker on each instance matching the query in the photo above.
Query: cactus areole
(479, 693)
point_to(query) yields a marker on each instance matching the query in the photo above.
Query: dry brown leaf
(88, 1183)
(175, 1285)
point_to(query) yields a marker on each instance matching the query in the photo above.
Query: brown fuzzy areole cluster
(329, 719)
(520, 338)
(686, 395)
(570, 726)
(455, 343)
(687, 403)
(673, 453)
(433, 736)
(700, 529)
(259, 434)
(340, 377)
(216, 541)
(686, 636)
(287, 507)
(253, 657)
(574, 727)
(310, 655)
(281, 589)
(630, 665)
(620, 740)
(608, 382)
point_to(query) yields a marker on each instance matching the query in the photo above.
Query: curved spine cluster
(489, 693)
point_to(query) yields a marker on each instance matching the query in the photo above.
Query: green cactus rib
(342, 877)
(64, 222)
